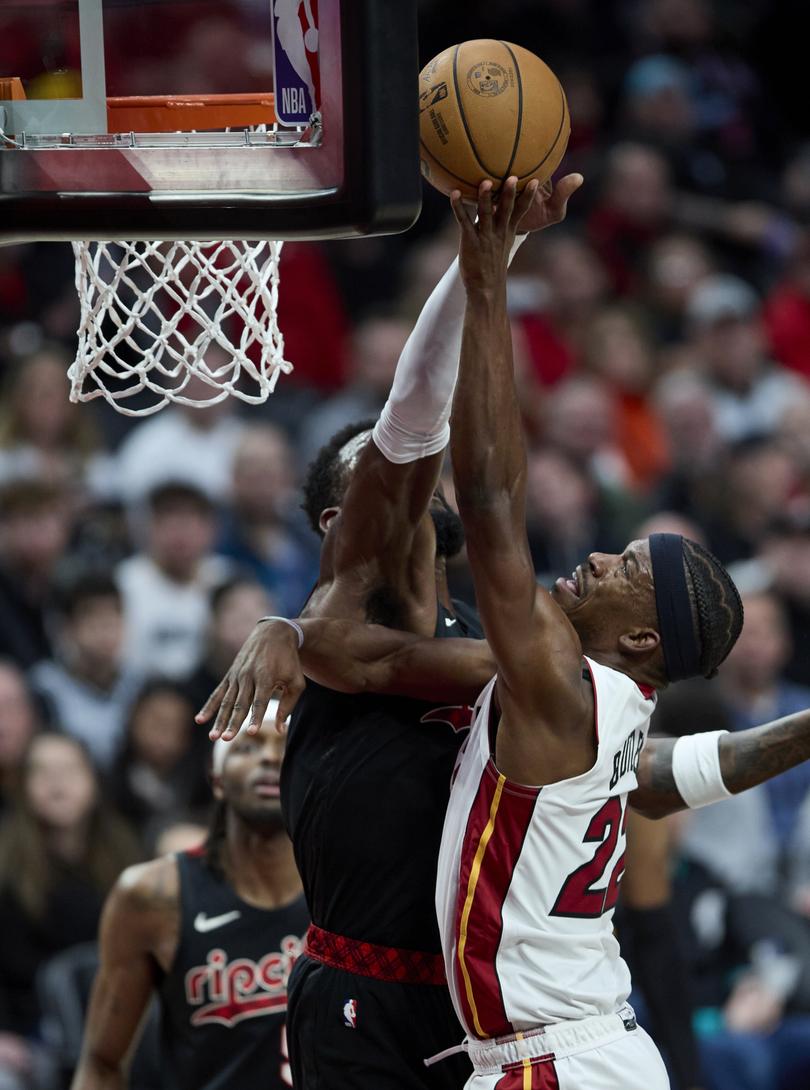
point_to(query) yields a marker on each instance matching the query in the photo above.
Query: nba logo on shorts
(350, 1013)
(297, 75)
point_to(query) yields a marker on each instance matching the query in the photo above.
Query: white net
(185, 322)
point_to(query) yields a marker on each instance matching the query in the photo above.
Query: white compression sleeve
(415, 420)
(696, 769)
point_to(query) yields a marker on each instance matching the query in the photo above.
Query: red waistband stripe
(368, 959)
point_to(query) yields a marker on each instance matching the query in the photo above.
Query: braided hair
(717, 608)
(326, 477)
(215, 841)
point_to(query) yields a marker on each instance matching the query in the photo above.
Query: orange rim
(186, 113)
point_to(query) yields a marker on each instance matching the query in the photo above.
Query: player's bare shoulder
(144, 907)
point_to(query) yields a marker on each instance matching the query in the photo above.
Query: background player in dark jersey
(213, 933)
(366, 778)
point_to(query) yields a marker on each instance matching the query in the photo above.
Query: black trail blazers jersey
(364, 789)
(224, 1001)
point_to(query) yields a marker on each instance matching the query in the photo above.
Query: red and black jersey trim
(368, 959)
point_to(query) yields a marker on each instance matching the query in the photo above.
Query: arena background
(662, 340)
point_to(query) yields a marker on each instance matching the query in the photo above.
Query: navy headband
(677, 629)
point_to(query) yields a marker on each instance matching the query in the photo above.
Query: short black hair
(173, 494)
(75, 591)
(716, 604)
(326, 479)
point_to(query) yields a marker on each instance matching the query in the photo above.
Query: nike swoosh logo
(449, 621)
(205, 923)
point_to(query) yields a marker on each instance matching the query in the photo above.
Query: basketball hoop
(152, 311)
(153, 314)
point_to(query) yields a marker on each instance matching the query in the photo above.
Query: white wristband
(696, 769)
(292, 624)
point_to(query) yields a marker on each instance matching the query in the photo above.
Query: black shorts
(348, 1032)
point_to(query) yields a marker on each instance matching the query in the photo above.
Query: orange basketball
(488, 109)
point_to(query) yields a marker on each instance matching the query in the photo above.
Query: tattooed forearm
(753, 756)
(747, 758)
(657, 794)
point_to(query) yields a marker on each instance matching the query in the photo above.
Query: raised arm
(346, 656)
(743, 759)
(141, 907)
(537, 651)
(383, 534)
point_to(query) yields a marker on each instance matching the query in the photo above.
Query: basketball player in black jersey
(214, 934)
(366, 778)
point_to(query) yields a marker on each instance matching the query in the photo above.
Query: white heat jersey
(529, 876)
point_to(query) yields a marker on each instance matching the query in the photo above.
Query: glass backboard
(207, 119)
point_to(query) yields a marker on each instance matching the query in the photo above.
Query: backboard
(207, 119)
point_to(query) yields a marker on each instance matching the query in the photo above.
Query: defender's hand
(550, 205)
(267, 665)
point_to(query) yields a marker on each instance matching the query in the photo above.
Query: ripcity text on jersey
(224, 1000)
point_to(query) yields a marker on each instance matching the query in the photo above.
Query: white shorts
(608, 1052)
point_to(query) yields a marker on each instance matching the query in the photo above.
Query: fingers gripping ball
(488, 109)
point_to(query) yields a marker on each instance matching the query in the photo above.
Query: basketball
(488, 110)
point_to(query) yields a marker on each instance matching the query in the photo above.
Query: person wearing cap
(748, 393)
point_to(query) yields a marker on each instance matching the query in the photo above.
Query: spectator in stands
(183, 443)
(166, 587)
(236, 605)
(88, 686)
(42, 433)
(746, 975)
(556, 286)
(747, 840)
(155, 773)
(619, 351)
(563, 513)
(748, 392)
(376, 347)
(635, 209)
(19, 719)
(35, 525)
(756, 483)
(61, 849)
(787, 312)
(676, 265)
(786, 556)
(260, 534)
(686, 409)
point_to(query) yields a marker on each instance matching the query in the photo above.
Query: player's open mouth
(572, 587)
(267, 788)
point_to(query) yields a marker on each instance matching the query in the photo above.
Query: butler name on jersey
(529, 876)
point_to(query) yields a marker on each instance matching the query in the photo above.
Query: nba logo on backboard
(297, 75)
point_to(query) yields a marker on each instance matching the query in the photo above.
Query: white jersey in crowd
(529, 876)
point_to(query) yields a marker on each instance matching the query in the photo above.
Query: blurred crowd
(662, 343)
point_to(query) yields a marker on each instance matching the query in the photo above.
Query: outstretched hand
(266, 665)
(487, 240)
(550, 205)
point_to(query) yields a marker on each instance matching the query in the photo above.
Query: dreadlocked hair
(716, 605)
(215, 841)
(326, 478)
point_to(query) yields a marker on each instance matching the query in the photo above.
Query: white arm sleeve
(415, 420)
(696, 769)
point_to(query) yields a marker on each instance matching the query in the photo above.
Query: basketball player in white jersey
(533, 847)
